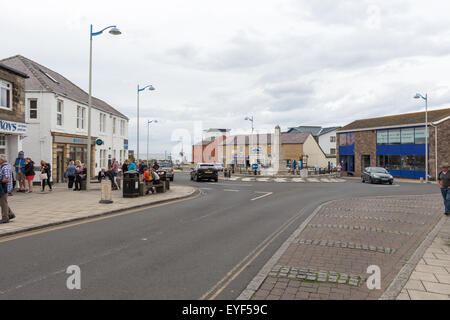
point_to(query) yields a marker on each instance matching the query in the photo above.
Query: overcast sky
(286, 62)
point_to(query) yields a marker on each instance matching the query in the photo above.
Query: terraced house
(396, 143)
(56, 112)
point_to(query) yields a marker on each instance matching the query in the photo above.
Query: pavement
(329, 255)
(430, 279)
(206, 247)
(38, 210)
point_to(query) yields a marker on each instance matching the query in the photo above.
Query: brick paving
(37, 209)
(329, 258)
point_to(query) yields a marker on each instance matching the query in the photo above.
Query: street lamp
(419, 96)
(114, 31)
(251, 120)
(151, 88)
(148, 134)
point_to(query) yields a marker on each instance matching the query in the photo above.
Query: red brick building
(207, 150)
(396, 143)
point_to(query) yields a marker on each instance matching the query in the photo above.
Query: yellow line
(90, 220)
(256, 252)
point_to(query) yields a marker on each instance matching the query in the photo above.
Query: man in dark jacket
(444, 185)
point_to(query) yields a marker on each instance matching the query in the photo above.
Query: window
(102, 122)
(408, 163)
(5, 94)
(343, 139)
(122, 128)
(382, 161)
(394, 163)
(3, 147)
(332, 151)
(382, 137)
(59, 113)
(114, 125)
(420, 135)
(408, 136)
(394, 136)
(420, 163)
(333, 139)
(102, 158)
(33, 108)
(81, 117)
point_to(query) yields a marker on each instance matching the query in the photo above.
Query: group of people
(24, 168)
(112, 174)
(75, 173)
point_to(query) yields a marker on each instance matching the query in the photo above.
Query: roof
(314, 130)
(14, 71)
(258, 139)
(397, 120)
(217, 130)
(205, 142)
(44, 79)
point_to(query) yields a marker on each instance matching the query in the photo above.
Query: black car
(376, 175)
(204, 171)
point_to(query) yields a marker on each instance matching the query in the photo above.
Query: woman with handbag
(45, 175)
(29, 173)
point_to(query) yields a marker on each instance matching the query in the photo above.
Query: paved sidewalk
(430, 279)
(328, 256)
(36, 210)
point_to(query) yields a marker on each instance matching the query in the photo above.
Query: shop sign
(12, 127)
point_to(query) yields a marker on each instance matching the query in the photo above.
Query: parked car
(376, 175)
(219, 167)
(204, 171)
(167, 167)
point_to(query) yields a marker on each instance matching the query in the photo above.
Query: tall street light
(148, 134)
(419, 96)
(113, 31)
(151, 88)
(251, 120)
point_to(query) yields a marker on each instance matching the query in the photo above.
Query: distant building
(56, 112)
(325, 137)
(245, 150)
(396, 143)
(206, 150)
(12, 111)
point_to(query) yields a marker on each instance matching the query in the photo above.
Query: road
(209, 247)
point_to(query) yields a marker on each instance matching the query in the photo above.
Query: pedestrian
(6, 185)
(444, 185)
(29, 174)
(102, 175)
(78, 172)
(125, 166)
(131, 165)
(45, 175)
(115, 168)
(19, 166)
(155, 165)
(70, 174)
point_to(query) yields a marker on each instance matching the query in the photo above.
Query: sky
(284, 62)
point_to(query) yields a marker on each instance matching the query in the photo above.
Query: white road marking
(325, 180)
(264, 195)
(233, 178)
(313, 180)
(280, 180)
(298, 180)
(263, 179)
(231, 190)
(206, 188)
(248, 179)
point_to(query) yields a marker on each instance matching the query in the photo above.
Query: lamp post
(148, 135)
(251, 120)
(418, 96)
(150, 87)
(113, 31)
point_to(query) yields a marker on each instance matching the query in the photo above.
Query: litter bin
(83, 184)
(130, 185)
(167, 182)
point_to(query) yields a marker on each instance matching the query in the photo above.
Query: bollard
(106, 192)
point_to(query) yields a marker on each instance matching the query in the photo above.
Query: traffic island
(39, 210)
(348, 249)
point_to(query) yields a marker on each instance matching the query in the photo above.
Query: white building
(56, 112)
(325, 137)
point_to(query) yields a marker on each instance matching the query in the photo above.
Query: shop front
(68, 148)
(11, 135)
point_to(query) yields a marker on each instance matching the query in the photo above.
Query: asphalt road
(208, 247)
